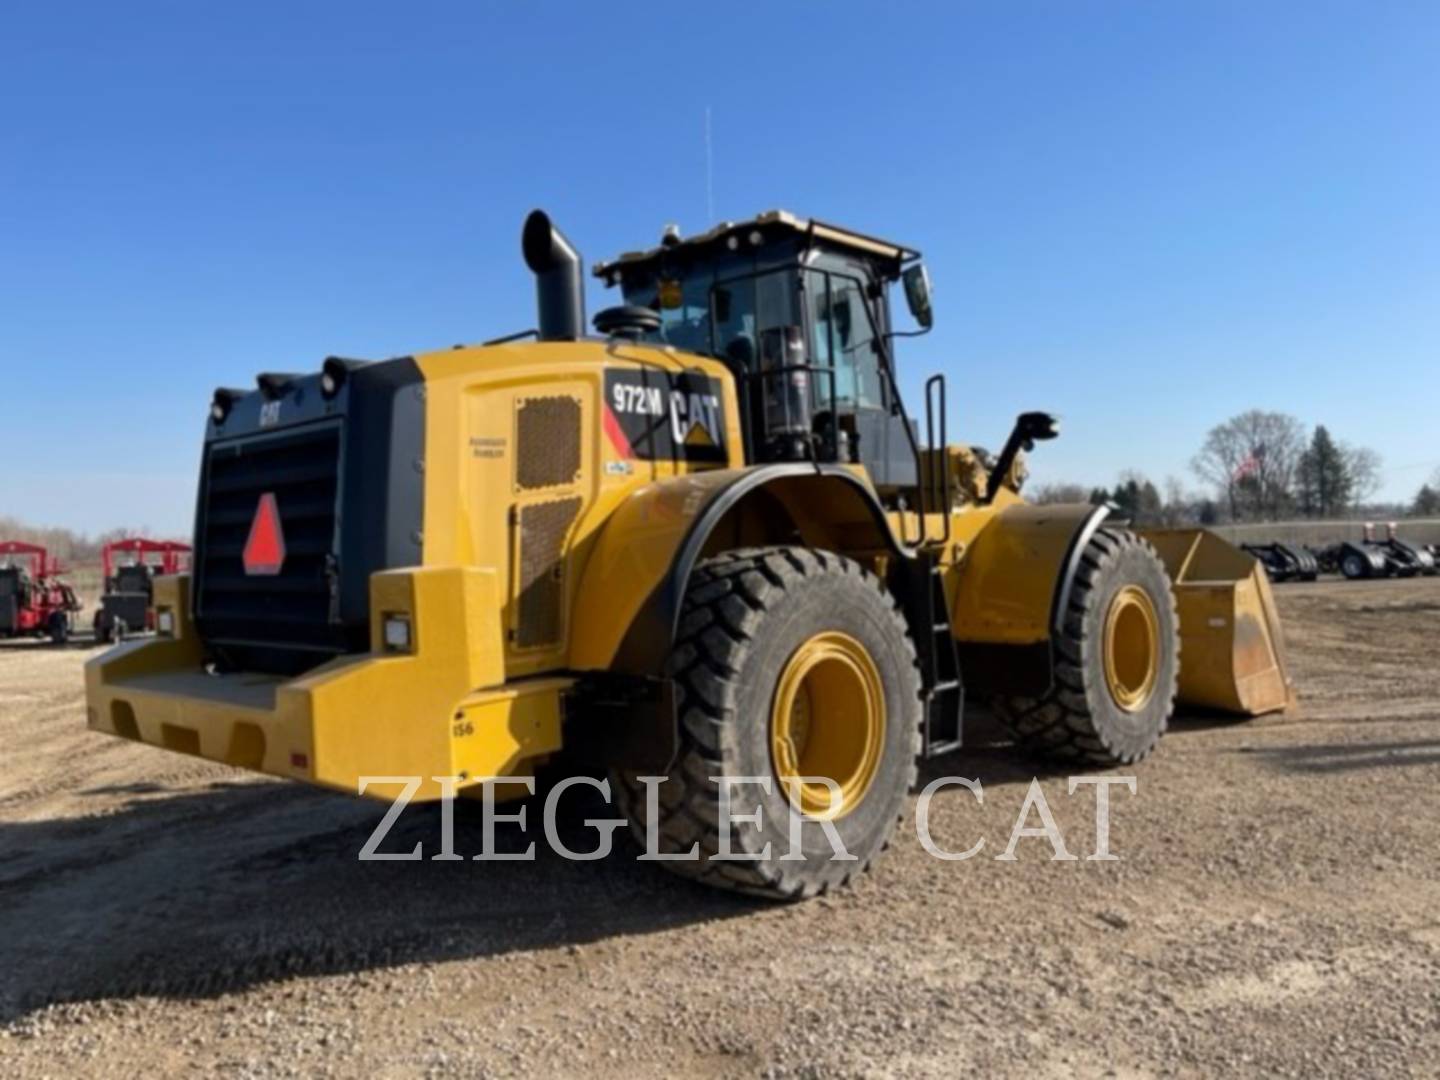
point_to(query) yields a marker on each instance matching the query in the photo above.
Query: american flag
(1251, 465)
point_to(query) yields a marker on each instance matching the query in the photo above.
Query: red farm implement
(34, 602)
(130, 567)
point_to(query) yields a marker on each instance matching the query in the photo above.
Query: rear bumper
(442, 710)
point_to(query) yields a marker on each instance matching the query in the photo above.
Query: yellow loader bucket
(1232, 654)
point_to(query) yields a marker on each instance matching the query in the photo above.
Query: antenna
(709, 174)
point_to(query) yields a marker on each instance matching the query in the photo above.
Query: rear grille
(547, 443)
(543, 528)
(263, 622)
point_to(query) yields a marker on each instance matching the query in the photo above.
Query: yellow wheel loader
(709, 541)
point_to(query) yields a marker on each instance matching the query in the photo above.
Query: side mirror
(1033, 427)
(916, 280)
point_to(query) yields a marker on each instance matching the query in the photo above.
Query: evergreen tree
(1324, 484)
(1127, 497)
(1133, 497)
(1427, 502)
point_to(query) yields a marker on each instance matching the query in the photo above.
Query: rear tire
(1354, 567)
(788, 660)
(58, 628)
(1116, 661)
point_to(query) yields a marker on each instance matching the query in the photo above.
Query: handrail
(937, 456)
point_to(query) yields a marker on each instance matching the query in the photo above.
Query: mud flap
(624, 723)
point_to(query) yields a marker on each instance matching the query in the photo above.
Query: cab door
(847, 345)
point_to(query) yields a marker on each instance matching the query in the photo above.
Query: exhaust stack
(559, 287)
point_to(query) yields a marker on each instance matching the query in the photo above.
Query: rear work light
(335, 372)
(397, 633)
(223, 401)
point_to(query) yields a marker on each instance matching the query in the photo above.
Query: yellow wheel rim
(1132, 648)
(827, 720)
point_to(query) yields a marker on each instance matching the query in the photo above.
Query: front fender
(1010, 594)
(1016, 578)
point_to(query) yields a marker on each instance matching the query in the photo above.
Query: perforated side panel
(547, 441)
(543, 528)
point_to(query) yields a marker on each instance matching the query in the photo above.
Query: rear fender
(627, 609)
(628, 606)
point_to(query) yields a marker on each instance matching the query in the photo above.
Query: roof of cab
(768, 221)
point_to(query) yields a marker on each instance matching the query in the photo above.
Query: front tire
(1116, 661)
(790, 662)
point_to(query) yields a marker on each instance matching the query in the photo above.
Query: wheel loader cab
(799, 311)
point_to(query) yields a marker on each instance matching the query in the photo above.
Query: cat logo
(695, 418)
(654, 415)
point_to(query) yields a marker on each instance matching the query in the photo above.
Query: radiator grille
(262, 621)
(543, 529)
(547, 442)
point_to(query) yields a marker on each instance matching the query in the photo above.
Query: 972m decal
(652, 415)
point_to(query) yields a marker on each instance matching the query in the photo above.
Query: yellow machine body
(569, 487)
(476, 697)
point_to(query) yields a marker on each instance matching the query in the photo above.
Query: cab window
(684, 307)
(745, 307)
(844, 339)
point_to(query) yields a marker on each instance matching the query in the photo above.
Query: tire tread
(728, 596)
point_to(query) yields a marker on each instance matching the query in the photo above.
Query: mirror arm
(908, 333)
(1029, 428)
(1013, 446)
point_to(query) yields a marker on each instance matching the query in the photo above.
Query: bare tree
(1180, 507)
(1251, 461)
(1044, 494)
(65, 544)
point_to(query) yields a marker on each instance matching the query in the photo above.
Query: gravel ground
(1275, 910)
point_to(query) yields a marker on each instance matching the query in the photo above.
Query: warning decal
(655, 415)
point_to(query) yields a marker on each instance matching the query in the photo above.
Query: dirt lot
(1276, 910)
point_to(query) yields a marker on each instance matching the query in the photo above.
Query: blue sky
(1144, 216)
